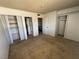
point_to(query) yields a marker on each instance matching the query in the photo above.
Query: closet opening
(61, 25)
(40, 25)
(29, 26)
(14, 30)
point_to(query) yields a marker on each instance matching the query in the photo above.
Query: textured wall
(4, 43)
(72, 27)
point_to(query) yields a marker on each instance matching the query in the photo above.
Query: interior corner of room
(18, 25)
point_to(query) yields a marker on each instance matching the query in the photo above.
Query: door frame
(42, 24)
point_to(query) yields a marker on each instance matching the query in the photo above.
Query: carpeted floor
(45, 47)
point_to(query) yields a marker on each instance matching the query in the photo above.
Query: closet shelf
(14, 27)
(12, 23)
(14, 33)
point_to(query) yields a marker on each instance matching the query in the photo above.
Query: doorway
(29, 26)
(14, 30)
(61, 25)
(40, 25)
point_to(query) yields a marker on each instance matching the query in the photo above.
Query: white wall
(49, 19)
(72, 26)
(72, 29)
(2, 18)
(35, 26)
(15, 12)
(49, 23)
(68, 10)
(4, 43)
(20, 28)
(9, 11)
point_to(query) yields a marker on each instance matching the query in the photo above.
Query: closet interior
(12, 20)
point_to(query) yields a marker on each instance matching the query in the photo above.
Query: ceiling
(40, 6)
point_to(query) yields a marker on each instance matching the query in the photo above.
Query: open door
(40, 25)
(29, 26)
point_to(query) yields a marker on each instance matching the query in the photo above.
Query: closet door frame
(23, 23)
(24, 26)
(21, 26)
(6, 18)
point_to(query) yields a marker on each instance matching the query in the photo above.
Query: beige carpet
(45, 47)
